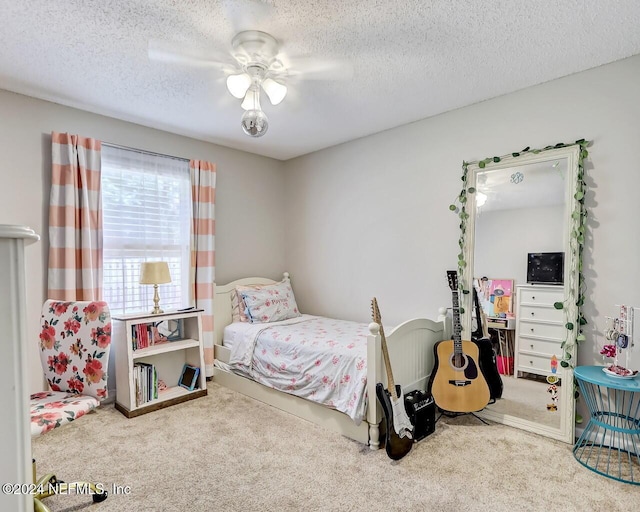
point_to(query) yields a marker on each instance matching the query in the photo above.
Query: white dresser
(540, 328)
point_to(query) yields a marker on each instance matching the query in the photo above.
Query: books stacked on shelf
(145, 378)
(145, 335)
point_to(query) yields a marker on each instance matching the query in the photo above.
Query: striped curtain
(75, 219)
(203, 228)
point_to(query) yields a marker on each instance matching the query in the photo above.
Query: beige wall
(370, 217)
(249, 195)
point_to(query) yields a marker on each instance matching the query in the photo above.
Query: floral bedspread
(320, 359)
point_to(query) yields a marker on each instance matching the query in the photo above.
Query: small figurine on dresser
(553, 391)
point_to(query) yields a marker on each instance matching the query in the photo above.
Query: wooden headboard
(222, 301)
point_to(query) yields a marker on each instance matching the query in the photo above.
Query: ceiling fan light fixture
(238, 85)
(275, 90)
(252, 99)
(255, 123)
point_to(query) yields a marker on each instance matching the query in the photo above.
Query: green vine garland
(577, 239)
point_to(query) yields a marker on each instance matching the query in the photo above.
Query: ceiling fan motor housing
(253, 48)
(256, 71)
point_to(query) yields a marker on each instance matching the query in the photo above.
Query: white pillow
(237, 304)
(270, 303)
(238, 307)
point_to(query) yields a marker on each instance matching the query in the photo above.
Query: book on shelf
(145, 377)
(148, 334)
(134, 338)
(139, 336)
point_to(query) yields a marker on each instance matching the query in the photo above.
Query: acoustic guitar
(456, 383)
(399, 431)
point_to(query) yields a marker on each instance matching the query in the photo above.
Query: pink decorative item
(609, 351)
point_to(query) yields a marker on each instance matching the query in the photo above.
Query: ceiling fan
(257, 65)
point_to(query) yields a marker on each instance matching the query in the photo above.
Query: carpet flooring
(226, 452)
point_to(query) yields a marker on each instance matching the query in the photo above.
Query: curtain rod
(144, 152)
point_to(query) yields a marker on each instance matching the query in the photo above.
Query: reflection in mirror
(520, 264)
(520, 211)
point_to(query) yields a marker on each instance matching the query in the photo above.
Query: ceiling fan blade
(312, 68)
(176, 53)
(246, 14)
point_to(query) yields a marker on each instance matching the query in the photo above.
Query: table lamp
(155, 273)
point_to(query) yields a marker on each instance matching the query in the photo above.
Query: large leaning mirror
(521, 258)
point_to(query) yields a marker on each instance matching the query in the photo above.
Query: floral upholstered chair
(75, 339)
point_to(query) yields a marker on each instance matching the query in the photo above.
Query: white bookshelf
(167, 357)
(165, 347)
(15, 430)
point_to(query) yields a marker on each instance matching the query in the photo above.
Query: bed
(410, 347)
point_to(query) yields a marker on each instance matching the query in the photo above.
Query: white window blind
(146, 208)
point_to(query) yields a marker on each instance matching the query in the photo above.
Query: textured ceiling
(411, 59)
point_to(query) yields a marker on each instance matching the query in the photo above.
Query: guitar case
(489, 367)
(487, 357)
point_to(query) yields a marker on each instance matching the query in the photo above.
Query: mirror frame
(572, 248)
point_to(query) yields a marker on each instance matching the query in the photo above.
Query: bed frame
(410, 349)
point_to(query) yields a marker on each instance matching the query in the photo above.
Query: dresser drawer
(540, 347)
(542, 330)
(541, 295)
(540, 365)
(542, 313)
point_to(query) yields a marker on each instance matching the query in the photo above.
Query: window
(146, 207)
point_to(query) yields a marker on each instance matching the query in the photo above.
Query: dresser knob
(532, 329)
(531, 346)
(533, 298)
(532, 313)
(531, 362)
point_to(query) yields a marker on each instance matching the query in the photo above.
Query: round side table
(610, 443)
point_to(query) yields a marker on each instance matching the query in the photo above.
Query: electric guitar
(456, 383)
(399, 431)
(487, 357)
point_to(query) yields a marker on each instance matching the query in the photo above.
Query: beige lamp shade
(155, 272)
